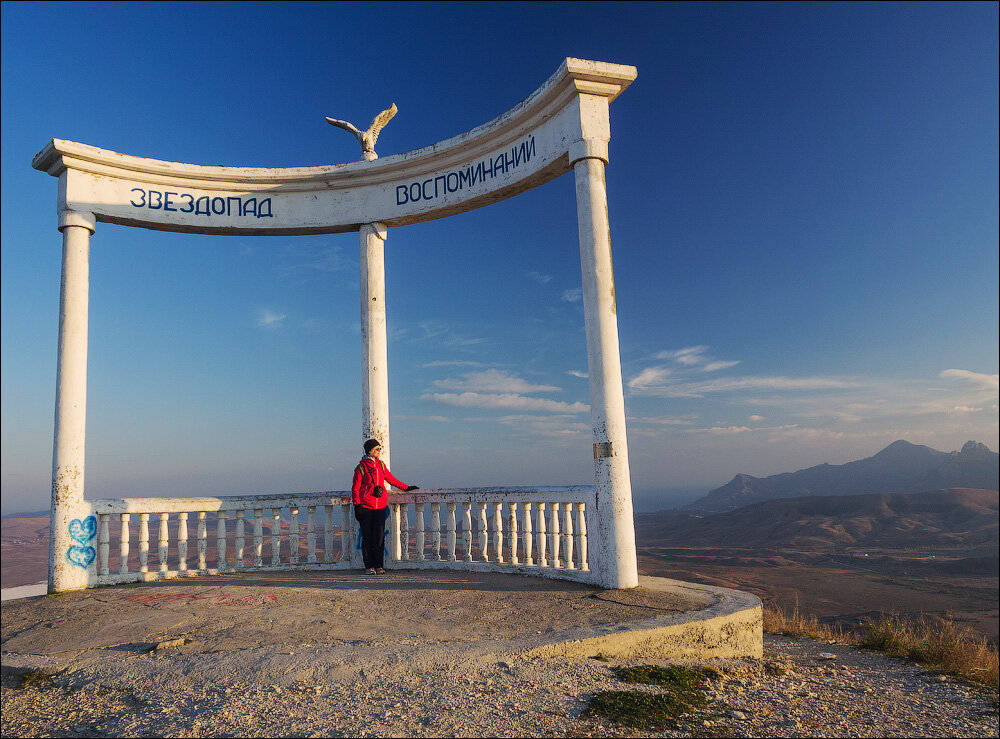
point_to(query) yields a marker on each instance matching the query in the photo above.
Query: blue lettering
(448, 184)
(229, 205)
(222, 206)
(260, 210)
(203, 200)
(159, 199)
(190, 203)
(416, 197)
(401, 190)
(423, 190)
(166, 201)
(142, 202)
(248, 209)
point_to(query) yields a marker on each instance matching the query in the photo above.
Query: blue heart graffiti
(81, 554)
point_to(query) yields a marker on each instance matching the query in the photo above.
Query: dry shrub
(936, 643)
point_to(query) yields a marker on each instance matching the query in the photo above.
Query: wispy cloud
(974, 380)
(695, 357)
(268, 319)
(578, 373)
(493, 380)
(547, 426)
(511, 401)
(452, 363)
(573, 295)
(539, 277)
(655, 381)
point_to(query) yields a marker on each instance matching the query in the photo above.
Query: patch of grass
(600, 657)
(678, 678)
(640, 710)
(937, 644)
(36, 678)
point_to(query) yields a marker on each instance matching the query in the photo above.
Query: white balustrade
(543, 529)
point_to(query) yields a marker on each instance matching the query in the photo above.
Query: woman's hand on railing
(411, 488)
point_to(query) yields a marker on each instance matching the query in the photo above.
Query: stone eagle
(367, 138)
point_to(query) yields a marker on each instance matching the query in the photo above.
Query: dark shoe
(371, 571)
(381, 571)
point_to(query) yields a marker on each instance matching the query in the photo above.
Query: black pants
(372, 535)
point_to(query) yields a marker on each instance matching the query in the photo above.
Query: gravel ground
(449, 690)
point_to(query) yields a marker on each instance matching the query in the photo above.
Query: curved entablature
(563, 121)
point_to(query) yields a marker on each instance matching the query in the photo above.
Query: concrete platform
(294, 626)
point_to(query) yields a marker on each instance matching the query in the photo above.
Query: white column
(70, 543)
(613, 558)
(374, 343)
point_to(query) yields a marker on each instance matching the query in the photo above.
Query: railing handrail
(541, 494)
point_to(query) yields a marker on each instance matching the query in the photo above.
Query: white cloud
(573, 295)
(452, 363)
(649, 377)
(715, 366)
(694, 357)
(269, 319)
(578, 373)
(756, 418)
(977, 380)
(539, 277)
(559, 425)
(512, 401)
(492, 380)
(661, 421)
(652, 381)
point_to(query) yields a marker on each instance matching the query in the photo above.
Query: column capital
(76, 218)
(376, 228)
(588, 149)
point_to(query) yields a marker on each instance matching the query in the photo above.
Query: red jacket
(369, 473)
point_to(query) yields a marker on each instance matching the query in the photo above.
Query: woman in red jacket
(370, 503)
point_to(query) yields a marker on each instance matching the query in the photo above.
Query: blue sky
(803, 203)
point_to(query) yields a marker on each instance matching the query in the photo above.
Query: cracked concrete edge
(730, 626)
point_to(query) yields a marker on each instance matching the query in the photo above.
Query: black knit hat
(371, 444)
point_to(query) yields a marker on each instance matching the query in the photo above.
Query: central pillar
(374, 342)
(614, 561)
(72, 529)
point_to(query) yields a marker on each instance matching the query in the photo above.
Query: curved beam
(534, 142)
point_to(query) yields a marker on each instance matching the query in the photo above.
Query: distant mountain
(958, 518)
(899, 468)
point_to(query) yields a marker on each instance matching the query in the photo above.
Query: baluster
(241, 539)
(143, 542)
(182, 542)
(258, 537)
(542, 561)
(202, 540)
(581, 537)
(568, 536)
(483, 554)
(512, 531)
(404, 530)
(103, 546)
(467, 529)
(275, 537)
(451, 532)
(163, 541)
(527, 534)
(418, 514)
(345, 532)
(394, 551)
(220, 540)
(328, 533)
(554, 526)
(123, 544)
(436, 530)
(311, 533)
(498, 531)
(293, 535)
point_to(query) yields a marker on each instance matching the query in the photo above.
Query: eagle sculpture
(367, 138)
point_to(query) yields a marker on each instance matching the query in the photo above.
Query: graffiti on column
(82, 554)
